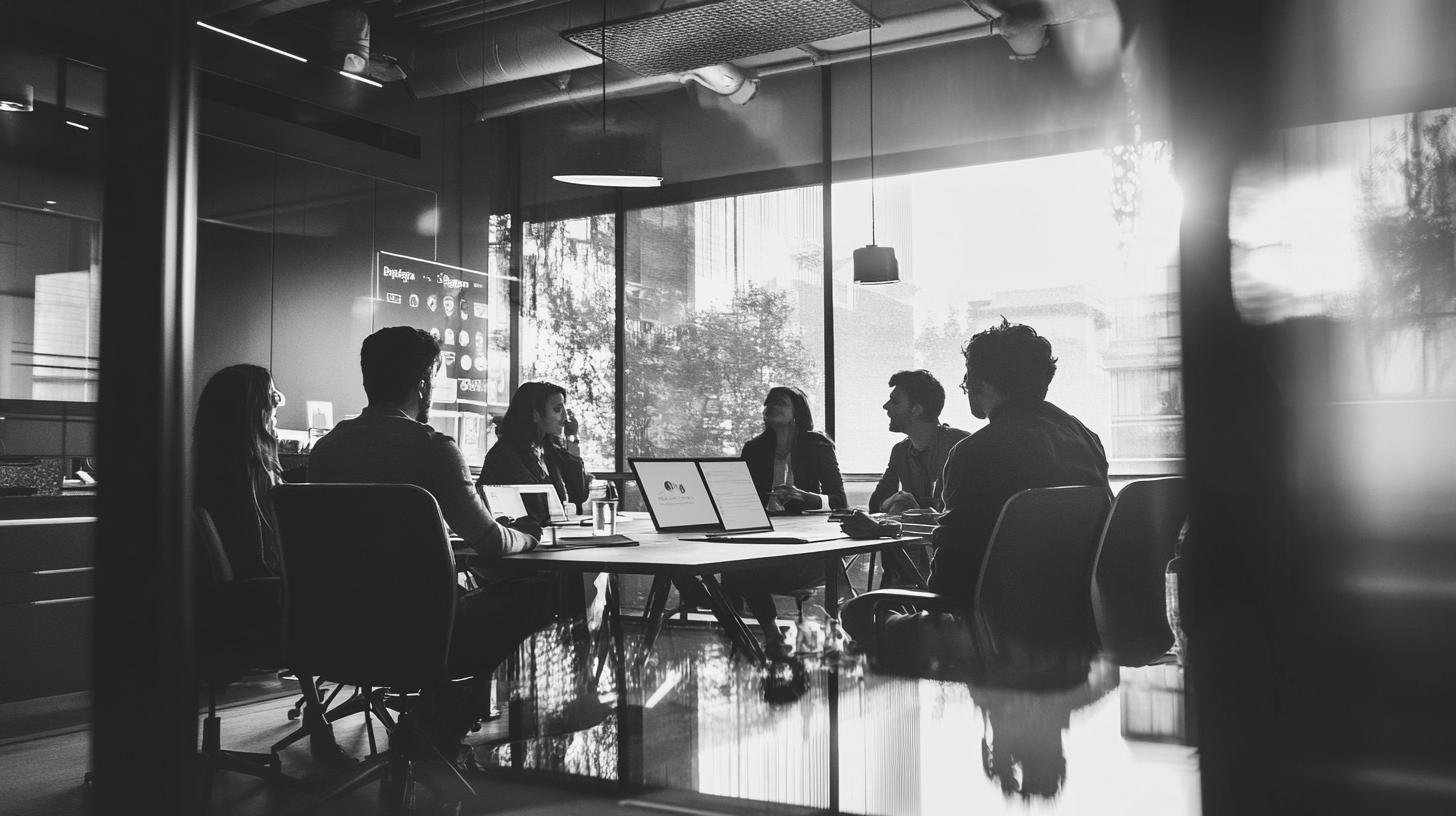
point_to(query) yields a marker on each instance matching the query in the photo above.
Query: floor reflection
(1036, 730)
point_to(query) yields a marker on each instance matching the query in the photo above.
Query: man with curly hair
(1028, 443)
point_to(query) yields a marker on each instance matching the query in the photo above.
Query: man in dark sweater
(390, 442)
(1028, 443)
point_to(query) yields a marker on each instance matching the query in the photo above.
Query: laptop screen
(506, 500)
(675, 494)
(731, 487)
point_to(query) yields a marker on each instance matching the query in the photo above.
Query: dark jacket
(1024, 446)
(251, 542)
(509, 462)
(815, 467)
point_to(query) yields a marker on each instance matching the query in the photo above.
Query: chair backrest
(238, 624)
(370, 583)
(1129, 600)
(1033, 582)
(213, 566)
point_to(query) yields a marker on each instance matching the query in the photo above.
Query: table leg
(629, 715)
(655, 615)
(904, 565)
(833, 569)
(733, 625)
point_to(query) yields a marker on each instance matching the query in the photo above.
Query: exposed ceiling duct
(585, 88)
(698, 34)
(725, 46)
(521, 46)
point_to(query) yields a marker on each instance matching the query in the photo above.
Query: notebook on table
(715, 496)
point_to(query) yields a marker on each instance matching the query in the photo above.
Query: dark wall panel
(234, 257)
(323, 267)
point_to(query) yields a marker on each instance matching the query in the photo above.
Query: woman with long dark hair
(794, 468)
(236, 442)
(235, 447)
(537, 445)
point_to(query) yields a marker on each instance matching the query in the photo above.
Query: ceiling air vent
(688, 37)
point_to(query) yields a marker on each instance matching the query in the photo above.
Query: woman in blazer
(794, 468)
(537, 445)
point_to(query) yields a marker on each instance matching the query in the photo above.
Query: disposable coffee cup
(604, 517)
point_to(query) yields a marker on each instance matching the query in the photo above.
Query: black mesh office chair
(379, 555)
(238, 628)
(1129, 599)
(1032, 589)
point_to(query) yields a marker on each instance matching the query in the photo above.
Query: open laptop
(507, 500)
(716, 495)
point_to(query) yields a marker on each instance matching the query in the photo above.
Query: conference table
(668, 558)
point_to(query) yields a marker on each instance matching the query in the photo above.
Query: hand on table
(899, 502)
(787, 493)
(860, 525)
(527, 525)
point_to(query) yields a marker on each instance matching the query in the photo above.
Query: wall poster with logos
(452, 304)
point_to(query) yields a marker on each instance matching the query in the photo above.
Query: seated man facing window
(389, 442)
(913, 478)
(1028, 443)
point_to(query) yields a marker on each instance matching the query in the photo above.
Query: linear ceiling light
(78, 125)
(264, 46)
(614, 162)
(357, 78)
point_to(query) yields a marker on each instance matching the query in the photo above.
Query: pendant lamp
(874, 264)
(615, 160)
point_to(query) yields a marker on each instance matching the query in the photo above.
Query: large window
(568, 326)
(1080, 246)
(724, 300)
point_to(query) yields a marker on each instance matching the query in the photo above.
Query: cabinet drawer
(48, 648)
(46, 585)
(46, 544)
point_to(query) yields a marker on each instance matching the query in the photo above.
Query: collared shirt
(917, 472)
(1024, 446)
(387, 446)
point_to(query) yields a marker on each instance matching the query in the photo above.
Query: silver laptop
(733, 511)
(506, 500)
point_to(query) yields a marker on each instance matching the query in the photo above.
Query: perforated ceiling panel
(701, 34)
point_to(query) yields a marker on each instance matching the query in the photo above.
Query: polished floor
(702, 732)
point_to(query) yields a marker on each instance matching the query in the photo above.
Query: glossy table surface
(668, 552)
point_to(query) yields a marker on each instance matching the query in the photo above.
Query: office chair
(237, 628)
(1031, 590)
(381, 553)
(1129, 600)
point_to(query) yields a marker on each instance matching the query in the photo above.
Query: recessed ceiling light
(251, 42)
(78, 125)
(357, 78)
(49, 202)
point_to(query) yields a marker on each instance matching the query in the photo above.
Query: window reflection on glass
(1353, 222)
(568, 324)
(724, 300)
(498, 343)
(50, 306)
(1082, 247)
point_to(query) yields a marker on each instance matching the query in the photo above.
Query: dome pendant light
(615, 161)
(874, 264)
